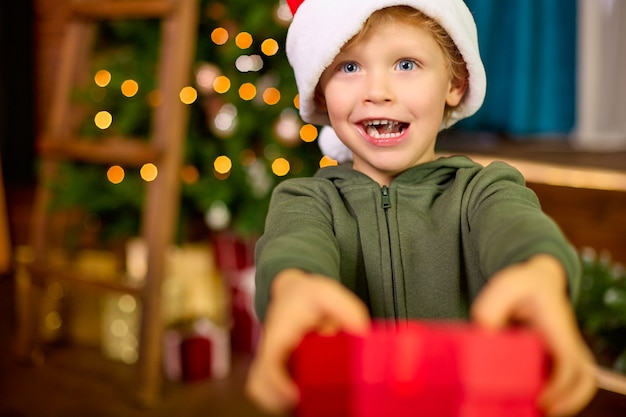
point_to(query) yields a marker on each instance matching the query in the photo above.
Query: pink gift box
(438, 369)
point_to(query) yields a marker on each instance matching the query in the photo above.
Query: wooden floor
(77, 381)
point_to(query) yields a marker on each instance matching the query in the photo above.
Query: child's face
(385, 96)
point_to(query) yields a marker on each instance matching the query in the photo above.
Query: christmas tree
(244, 132)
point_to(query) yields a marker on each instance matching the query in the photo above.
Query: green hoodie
(421, 248)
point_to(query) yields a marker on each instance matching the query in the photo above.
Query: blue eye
(406, 65)
(349, 67)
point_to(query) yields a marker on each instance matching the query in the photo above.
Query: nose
(379, 88)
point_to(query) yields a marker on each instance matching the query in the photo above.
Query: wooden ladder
(164, 148)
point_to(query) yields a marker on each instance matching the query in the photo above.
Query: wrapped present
(245, 326)
(196, 351)
(438, 369)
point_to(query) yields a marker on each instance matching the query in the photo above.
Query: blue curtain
(529, 51)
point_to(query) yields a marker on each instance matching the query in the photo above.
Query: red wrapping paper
(438, 369)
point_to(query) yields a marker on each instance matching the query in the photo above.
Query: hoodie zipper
(386, 205)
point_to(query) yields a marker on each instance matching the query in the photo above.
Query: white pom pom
(332, 146)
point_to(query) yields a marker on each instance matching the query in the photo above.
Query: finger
(286, 323)
(269, 392)
(492, 308)
(328, 303)
(344, 309)
(573, 397)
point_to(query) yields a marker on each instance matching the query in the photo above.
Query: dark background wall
(17, 91)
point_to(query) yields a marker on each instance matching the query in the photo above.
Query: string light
(327, 162)
(222, 164)
(226, 119)
(148, 172)
(296, 101)
(221, 84)
(247, 91)
(243, 40)
(219, 36)
(205, 77)
(103, 119)
(115, 174)
(188, 95)
(271, 96)
(283, 13)
(287, 127)
(280, 167)
(247, 63)
(102, 78)
(308, 133)
(130, 88)
(269, 47)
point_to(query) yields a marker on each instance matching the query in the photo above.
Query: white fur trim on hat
(320, 28)
(331, 146)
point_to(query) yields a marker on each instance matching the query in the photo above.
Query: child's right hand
(300, 303)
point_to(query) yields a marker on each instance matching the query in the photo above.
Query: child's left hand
(534, 294)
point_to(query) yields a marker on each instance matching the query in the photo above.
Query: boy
(395, 232)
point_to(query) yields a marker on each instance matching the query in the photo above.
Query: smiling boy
(395, 232)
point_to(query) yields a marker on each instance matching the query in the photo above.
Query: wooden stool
(59, 142)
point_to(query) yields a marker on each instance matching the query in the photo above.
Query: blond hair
(459, 75)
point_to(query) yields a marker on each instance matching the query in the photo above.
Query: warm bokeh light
(155, 98)
(308, 133)
(103, 119)
(243, 40)
(115, 174)
(205, 76)
(188, 95)
(189, 174)
(130, 88)
(327, 162)
(283, 13)
(247, 63)
(280, 167)
(221, 84)
(225, 120)
(53, 320)
(269, 47)
(219, 36)
(271, 96)
(247, 91)
(247, 157)
(296, 101)
(102, 78)
(222, 164)
(287, 127)
(148, 172)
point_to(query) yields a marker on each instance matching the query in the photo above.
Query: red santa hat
(320, 28)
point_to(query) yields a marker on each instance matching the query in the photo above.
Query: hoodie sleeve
(507, 225)
(298, 234)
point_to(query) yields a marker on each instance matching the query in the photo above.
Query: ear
(319, 99)
(456, 91)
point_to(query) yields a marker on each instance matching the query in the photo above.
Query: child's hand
(534, 294)
(300, 303)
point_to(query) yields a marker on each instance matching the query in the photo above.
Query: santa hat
(320, 28)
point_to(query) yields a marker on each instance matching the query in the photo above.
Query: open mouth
(384, 129)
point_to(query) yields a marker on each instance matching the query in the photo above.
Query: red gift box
(438, 369)
(196, 351)
(245, 326)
